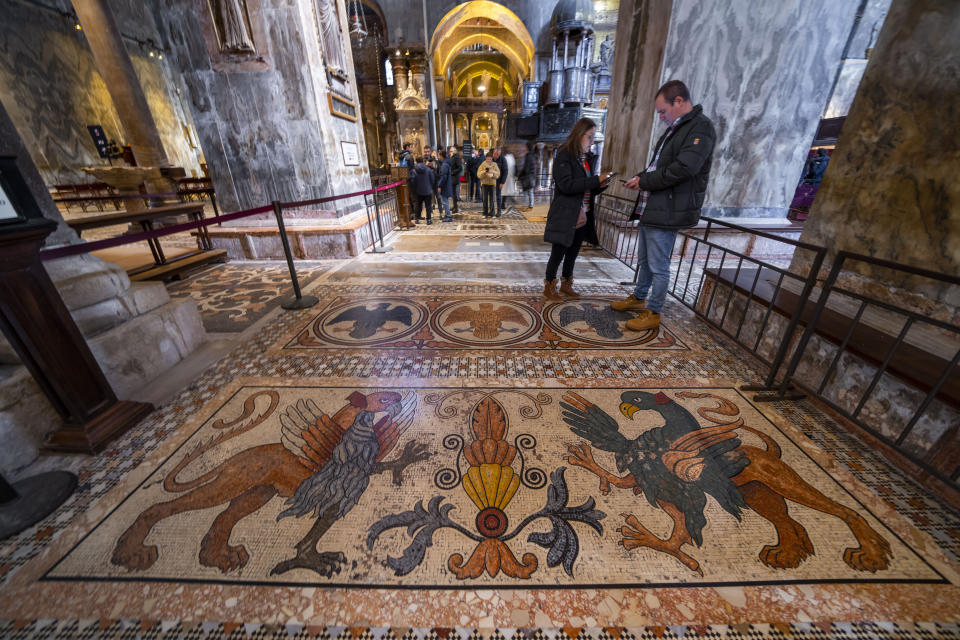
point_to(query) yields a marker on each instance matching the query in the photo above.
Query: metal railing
(618, 235)
(900, 360)
(721, 274)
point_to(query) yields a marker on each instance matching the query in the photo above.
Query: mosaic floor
(356, 488)
(232, 297)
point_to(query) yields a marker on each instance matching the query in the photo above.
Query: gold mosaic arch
(449, 38)
(467, 74)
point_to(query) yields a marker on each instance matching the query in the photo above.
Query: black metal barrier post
(376, 205)
(785, 390)
(298, 301)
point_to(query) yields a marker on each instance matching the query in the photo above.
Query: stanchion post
(298, 301)
(216, 210)
(403, 200)
(376, 207)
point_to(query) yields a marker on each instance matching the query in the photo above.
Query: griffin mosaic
(487, 485)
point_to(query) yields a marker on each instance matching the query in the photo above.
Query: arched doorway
(481, 53)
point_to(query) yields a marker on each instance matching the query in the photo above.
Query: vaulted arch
(482, 22)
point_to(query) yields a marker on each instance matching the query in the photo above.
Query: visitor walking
(445, 185)
(488, 173)
(425, 187)
(528, 173)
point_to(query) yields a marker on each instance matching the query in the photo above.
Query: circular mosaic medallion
(491, 522)
(485, 322)
(370, 322)
(592, 321)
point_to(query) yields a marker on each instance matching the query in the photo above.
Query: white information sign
(351, 153)
(6, 207)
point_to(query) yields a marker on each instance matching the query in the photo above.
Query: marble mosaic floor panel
(464, 323)
(128, 605)
(490, 486)
(177, 630)
(231, 297)
(451, 427)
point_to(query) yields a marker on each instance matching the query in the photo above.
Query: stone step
(128, 360)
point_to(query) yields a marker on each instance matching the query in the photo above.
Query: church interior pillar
(638, 58)
(891, 189)
(114, 65)
(765, 94)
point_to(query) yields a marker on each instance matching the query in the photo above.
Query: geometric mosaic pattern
(710, 359)
(174, 630)
(231, 297)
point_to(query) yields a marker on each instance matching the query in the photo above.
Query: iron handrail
(912, 317)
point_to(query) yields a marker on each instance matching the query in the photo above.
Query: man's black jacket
(679, 183)
(502, 165)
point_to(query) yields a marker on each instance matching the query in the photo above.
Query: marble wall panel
(11, 144)
(891, 190)
(52, 89)
(846, 88)
(763, 73)
(864, 37)
(638, 60)
(266, 128)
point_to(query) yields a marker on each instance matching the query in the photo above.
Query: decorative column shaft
(115, 66)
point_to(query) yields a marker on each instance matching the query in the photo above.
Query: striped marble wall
(763, 72)
(264, 120)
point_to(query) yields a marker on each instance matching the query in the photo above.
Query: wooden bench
(162, 269)
(917, 367)
(87, 194)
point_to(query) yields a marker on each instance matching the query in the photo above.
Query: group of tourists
(436, 177)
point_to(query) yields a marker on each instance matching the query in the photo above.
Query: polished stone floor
(504, 429)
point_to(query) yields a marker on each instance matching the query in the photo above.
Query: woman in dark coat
(570, 219)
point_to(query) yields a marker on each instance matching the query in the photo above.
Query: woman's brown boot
(566, 288)
(550, 290)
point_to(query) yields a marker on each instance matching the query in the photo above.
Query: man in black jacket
(475, 161)
(672, 190)
(502, 165)
(425, 188)
(456, 170)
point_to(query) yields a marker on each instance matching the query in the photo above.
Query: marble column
(106, 43)
(763, 73)
(641, 39)
(891, 188)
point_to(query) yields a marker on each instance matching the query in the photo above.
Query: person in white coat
(510, 185)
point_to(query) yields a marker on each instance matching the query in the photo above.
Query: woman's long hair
(572, 144)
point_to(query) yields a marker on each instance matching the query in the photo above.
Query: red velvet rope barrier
(107, 243)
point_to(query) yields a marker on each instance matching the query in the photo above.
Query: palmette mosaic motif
(490, 486)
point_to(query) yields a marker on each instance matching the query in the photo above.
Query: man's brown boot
(630, 303)
(566, 288)
(644, 322)
(550, 290)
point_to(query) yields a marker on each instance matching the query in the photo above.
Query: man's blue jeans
(654, 248)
